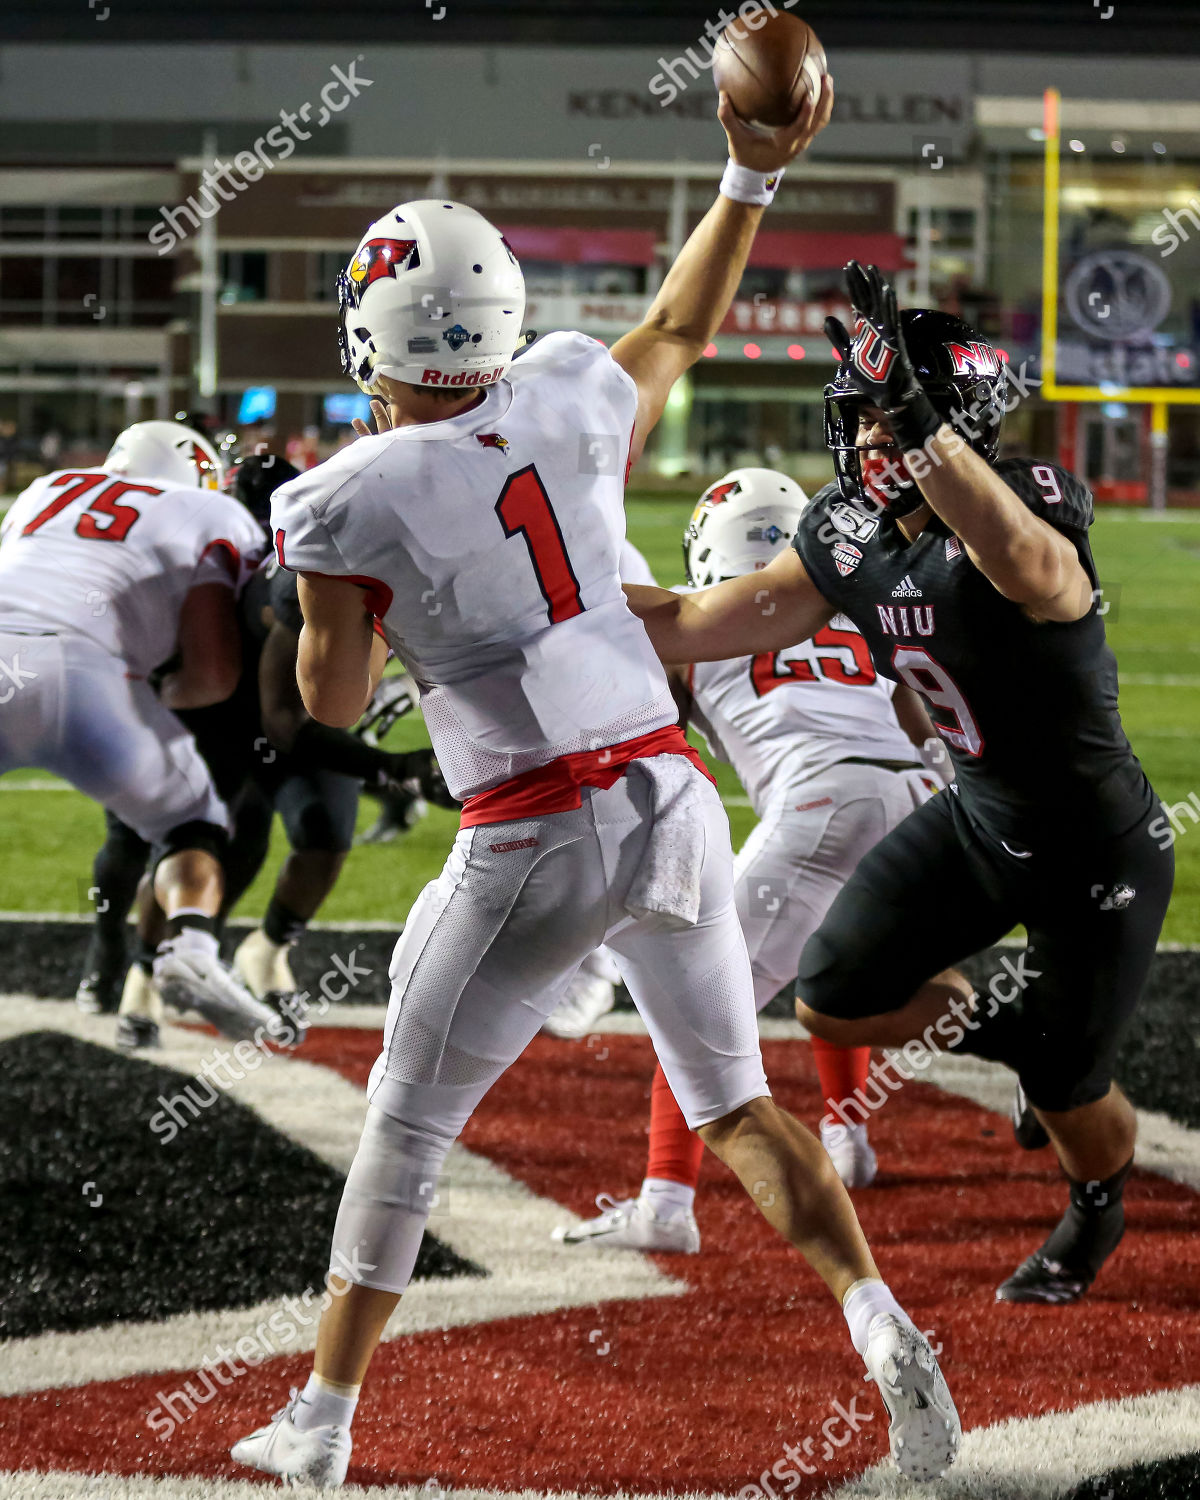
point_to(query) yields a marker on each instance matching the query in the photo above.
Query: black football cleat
(1070, 1260)
(99, 994)
(1041, 1280)
(1030, 1133)
(401, 808)
(136, 1033)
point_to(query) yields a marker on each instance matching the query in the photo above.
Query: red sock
(840, 1069)
(675, 1150)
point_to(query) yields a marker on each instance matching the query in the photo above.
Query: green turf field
(1151, 572)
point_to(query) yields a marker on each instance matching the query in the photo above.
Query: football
(768, 62)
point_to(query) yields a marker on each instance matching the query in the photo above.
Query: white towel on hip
(667, 881)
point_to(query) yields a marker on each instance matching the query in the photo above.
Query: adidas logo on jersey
(906, 589)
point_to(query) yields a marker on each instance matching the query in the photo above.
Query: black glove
(393, 698)
(419, 767)
(877, 361)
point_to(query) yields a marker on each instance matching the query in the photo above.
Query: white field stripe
(37, 784)
(371, 924)
(1164, 1147)
(488, 1217)
(23, 1484)
(1044, 1458)
(1139, 679)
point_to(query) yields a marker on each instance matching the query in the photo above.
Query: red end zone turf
(702, 1391)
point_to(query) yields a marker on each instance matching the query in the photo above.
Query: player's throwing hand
(750, 146)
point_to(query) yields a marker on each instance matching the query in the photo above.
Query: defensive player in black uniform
(973, 582)
(266, 756)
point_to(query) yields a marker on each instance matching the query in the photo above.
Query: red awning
(616, 247)
(788, 249)
(784, 249)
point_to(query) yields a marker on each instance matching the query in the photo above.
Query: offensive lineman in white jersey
(481, 529)
(831, 762)
(104, 575)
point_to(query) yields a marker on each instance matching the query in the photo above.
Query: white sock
(865, 1301)
(194, 938)
(324, 1404)
(666, 1197)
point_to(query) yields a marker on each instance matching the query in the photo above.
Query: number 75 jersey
(1028, 708)
(110, 557)
(487, 545)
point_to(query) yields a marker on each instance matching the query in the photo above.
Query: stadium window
(152, 291)
(243, 276)
(324, 267)
(22, 221)
(71, 222)
(22, 288)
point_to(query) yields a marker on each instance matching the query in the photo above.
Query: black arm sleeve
(284, 599)
(317, 747)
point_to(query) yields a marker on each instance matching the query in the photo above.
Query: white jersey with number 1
(488, 545)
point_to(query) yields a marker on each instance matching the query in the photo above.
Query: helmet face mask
(432, 297)
(252, 481)
(964, 378)
(740, 524)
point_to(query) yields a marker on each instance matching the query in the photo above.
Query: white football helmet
(433, 296)
(168, 451)
(741, 523)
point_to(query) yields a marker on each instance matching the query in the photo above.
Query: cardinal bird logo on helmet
(379, 258)
(720, 492)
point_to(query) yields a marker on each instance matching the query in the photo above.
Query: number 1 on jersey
(524, 509)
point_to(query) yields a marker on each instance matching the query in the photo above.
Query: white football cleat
(190, 976)
(319, 1457)
(632, 1224)
(924, 1431)
(850, 1152)
(588, 998)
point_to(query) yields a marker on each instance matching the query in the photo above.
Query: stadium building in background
(133, 285)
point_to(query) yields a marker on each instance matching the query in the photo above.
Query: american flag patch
(953, 548)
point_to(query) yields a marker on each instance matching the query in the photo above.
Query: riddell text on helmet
(464, 377)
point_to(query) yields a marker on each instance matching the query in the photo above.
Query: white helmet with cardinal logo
(740, 524)
(168, 451)
(433, 297)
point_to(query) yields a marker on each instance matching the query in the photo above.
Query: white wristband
(746, 186)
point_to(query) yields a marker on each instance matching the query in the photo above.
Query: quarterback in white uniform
(105, 574)
(481, 531)
(815, 738)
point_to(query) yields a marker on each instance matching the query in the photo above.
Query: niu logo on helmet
(974, 359)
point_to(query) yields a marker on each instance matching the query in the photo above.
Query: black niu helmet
(963, 376)
(255, 478)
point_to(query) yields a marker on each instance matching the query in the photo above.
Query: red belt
(557, 787)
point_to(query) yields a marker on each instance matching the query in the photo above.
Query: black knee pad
(1057, 1081)
(197, 834)
(318, 811)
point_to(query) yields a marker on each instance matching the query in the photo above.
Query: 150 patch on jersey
(851, 521)
(846, 557)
